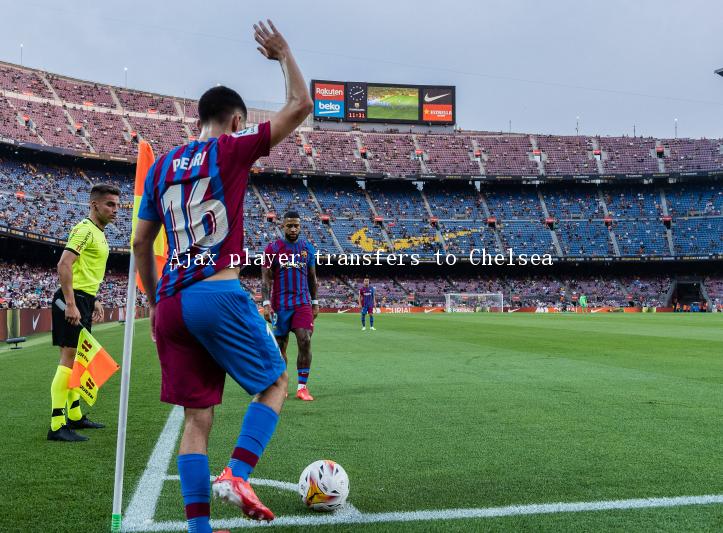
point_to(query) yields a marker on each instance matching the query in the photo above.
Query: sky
(532, 66)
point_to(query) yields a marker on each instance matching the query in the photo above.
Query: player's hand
(272, 43)
(72, 315)
(267, 314)
(98, 312)
(152, 318)
(315, 310)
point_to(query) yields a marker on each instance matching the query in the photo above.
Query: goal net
(471, 302)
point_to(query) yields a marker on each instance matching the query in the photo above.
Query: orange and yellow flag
(92, 367)
(160, 246)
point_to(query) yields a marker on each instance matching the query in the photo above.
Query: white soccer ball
(324, 486)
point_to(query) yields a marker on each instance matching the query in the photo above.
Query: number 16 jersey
(197, 191)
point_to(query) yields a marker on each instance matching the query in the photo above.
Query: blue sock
(371, 321)
(303, 375)
(196, 491)
(364, 320)
(258, 426)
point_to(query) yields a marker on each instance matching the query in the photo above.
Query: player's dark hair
(291, 214)
(218, 104)
(101, 189)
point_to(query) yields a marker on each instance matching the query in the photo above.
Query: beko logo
(326, 108)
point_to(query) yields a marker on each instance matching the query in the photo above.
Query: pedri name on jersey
(184, 163)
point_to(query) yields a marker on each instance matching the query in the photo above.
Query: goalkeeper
(81, 270)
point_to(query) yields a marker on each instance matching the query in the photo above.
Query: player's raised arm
(273, 46)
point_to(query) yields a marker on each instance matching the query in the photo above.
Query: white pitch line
(448, 514)
(142, 508)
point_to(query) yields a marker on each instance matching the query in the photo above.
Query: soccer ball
(324, 486)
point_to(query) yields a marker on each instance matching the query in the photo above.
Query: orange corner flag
(92, 367)
(160, 246)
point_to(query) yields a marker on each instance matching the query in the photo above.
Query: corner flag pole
(120, 449)
(143, 164)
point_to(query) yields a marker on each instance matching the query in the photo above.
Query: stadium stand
(391, 154)
(567, 155)
(578, 221)
(628, 155)
(336, 151)
(449, 154)
(507, 155)
(79, 92)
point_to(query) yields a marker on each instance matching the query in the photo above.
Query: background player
(289, 291)
(583, 303)
(81, 270)
(204, 323)
(367, 302)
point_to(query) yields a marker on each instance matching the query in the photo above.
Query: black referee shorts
(64, 333)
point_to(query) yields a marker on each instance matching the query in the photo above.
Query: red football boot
(236, 491)
(303, 394)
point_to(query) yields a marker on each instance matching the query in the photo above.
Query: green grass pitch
(401, 107)
(429, 412)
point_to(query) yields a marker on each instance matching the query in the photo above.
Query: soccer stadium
(544, 343)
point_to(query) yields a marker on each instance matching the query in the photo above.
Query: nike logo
(426, 311)
(429, 99)
(340, 311)
(35, 321)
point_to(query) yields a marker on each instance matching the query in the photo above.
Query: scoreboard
(354, 101)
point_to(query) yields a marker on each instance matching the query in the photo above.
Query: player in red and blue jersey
(289, 292)
(204, 324)
(367, 302)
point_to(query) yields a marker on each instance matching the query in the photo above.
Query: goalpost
(473, 302)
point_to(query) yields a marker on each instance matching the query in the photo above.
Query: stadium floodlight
(473, 302)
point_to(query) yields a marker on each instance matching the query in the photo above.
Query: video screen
(392, 103)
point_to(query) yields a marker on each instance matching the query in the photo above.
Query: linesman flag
(92, 367)
(160, 246)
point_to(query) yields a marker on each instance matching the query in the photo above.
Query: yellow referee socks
(59, 396)
(74, 412)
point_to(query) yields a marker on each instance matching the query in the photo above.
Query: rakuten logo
(327, 91)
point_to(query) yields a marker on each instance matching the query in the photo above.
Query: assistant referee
(81, 270)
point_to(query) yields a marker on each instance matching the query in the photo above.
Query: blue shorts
(367, 310)
(208, 330)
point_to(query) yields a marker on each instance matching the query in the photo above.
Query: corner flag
(92, 367)
(160, 245)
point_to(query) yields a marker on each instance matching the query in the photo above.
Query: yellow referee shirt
(87, 241)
